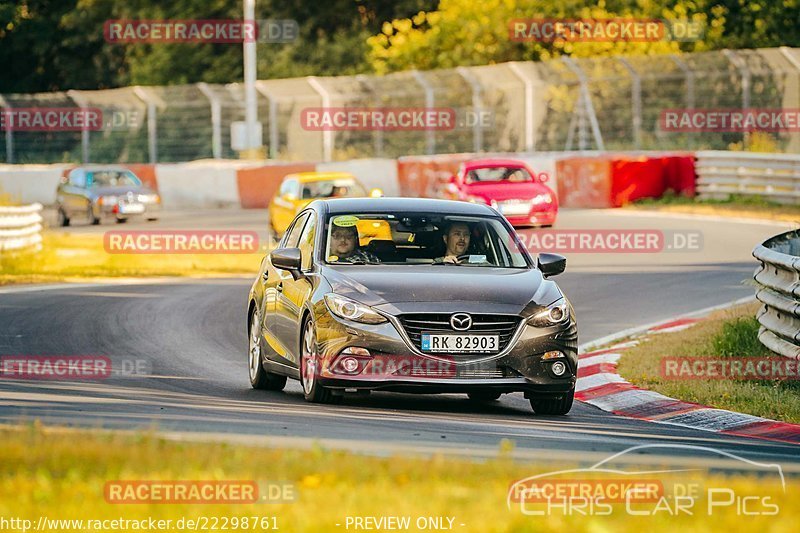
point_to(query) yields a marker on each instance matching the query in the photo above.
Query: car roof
(389, 204)
(486, 163)
(305, 177)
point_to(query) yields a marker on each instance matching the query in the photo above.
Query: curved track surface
(191, 336)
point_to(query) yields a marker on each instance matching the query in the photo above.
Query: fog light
(558, 368)
(350, 364)
(552, 355)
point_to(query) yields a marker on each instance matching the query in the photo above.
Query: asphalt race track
(190, 334)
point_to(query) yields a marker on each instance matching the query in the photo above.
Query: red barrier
(258, 185)
(636, 178)
(679, 174)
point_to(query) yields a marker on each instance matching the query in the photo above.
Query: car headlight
(554, 314)
(542, 199)
(107, 200)
(352, 310)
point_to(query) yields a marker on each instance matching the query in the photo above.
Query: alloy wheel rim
(255, 347)
(309, 359)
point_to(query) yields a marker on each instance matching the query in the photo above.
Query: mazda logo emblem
(461, 321)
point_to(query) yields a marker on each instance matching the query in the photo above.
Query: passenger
(456, 239)
(344, 246)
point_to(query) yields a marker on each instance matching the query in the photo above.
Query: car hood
(506, 191)
(441, 288)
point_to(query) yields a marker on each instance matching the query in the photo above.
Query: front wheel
(553, 406)
(310, 367)
(63, 219)
(260, 378)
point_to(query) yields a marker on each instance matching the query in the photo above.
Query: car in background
(396, 315)
(298, 190)
(97, 193)
(509, 186)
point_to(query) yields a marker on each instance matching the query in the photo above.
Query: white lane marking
(698, 216)
(608, 339)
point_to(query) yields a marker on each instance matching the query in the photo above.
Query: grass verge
(736, 206)
(61, 474)
(730, 333)
(68, 257)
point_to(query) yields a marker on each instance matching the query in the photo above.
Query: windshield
(113, 178)
(512, 174)
(332, 189)
(421, 239)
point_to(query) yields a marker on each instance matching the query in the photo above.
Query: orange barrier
(426, 176)
(257, 185)
(584, 182)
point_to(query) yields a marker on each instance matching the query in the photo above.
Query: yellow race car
(300, 189)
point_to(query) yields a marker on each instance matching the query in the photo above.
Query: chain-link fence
(611, 103)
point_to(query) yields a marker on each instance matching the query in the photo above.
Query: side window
(307, 242)
(293, 235)
(77, 178)
(289, 187)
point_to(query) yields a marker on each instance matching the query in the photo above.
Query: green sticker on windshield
(345, 221)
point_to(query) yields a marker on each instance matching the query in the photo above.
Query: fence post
(327, 134)
(274, 137)
(85, 141)
(741, 66)
(530, 131)
(689, 75)
(586, 108)
(9, 133)
(152, 123)
(216, 119)
(477, 106)
(377, 133)
(430, 135)
(636, 102)
(787, 53)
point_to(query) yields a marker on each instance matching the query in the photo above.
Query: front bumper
(148, 210)
(394, 365)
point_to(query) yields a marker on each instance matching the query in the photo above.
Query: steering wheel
(462, 257)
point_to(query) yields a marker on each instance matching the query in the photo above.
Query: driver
(456, 239)
(344, 246)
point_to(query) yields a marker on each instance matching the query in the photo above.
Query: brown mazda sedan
(411, 295)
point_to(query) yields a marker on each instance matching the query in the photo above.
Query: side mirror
(376, 193)
(287, 259)
(543, 177)
(551, 264)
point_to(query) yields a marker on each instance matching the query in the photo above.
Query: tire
(483, 396)
(553, 406)
(259, 377)
(309, 353)
(63, 219)
(121, 220)
(152, 220)
(93, 220)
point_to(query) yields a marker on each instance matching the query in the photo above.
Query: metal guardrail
(20, 227)
(772, 176)
(779, 291)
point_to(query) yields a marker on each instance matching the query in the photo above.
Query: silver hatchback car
(97, 193)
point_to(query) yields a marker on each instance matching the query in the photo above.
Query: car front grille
(416, 324)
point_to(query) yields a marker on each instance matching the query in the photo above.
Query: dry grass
(45, 472)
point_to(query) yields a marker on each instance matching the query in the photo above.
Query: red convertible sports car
(509, 186)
